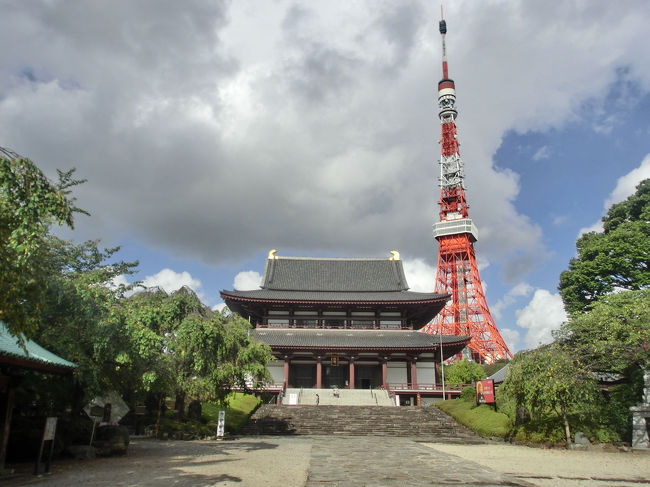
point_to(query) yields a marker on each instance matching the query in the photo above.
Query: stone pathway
(373, 462)
(332, 461)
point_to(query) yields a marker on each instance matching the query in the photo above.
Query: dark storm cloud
(401, 24)
(310, 127)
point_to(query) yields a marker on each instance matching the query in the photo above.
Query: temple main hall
(347, 324)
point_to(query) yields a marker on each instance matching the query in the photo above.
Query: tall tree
(29, 205)
(551, 380)
(76, 319)
(614, 335)
(463, 372)
(617, 258)
(180, 348)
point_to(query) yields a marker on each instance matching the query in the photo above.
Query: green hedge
(481, 419)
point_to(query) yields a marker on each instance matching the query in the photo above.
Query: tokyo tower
(457, 273)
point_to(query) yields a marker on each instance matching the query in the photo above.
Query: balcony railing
(341, 327)
(422, 387)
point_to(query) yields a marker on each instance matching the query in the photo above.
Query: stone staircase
(339, 397)
(425, 423)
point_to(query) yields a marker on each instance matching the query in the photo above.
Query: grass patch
(238, 409)
(482, 419)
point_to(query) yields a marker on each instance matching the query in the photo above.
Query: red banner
(485, 391)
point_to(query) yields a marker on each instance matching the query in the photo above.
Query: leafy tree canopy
(464, 372)
(550, 379)
(29, 205)
(618, 258)
(614, 335)
(79, 298)
(180, 348)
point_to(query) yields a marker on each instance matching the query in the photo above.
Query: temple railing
(398, 387)
(257, 387)
(342, 327)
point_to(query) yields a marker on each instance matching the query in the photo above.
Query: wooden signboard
(49, 432)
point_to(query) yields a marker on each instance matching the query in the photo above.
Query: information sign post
(485, 391)
(48, 435)
(221, 426)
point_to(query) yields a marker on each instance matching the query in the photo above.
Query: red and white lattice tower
(457, 274)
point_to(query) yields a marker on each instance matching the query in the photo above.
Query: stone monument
(641, 417)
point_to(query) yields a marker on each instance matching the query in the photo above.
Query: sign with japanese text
(221, 425)
(50, 429)
(485, 391)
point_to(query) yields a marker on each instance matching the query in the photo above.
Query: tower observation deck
(457, 273)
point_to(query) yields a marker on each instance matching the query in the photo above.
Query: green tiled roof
(31, 356)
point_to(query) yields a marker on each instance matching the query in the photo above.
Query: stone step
(425, 422)
(338, 397)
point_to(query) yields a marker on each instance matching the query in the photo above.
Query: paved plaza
(341, 461)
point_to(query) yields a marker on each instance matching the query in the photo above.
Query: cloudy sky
(210, 132)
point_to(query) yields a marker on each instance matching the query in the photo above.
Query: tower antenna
(457, 272)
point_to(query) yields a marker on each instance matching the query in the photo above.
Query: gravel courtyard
(342, 461)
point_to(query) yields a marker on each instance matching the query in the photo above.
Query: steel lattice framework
(457, 272)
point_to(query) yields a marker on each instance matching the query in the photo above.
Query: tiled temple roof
(333, 280)
(279, 338)
(33, 356)
(332, 275)
(334, 296)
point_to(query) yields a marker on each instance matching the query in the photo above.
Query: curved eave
(449, 349)
(439, 300)
(23, 363)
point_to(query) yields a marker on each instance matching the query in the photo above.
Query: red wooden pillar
(414, 373)
(286, 371)
(409, 379)
(384, 372)
(351, 379)
(319, 372)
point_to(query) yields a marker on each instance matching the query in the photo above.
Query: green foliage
(463, 372)
(481, 419)
(505, 403)
(615, 335)
(549, 380)
(185, 429)
(549, 428)
(238, 407)
(468, 394)
(615, 259)
(543, 430)
(76, 318)
(29, 205)
(179, 347)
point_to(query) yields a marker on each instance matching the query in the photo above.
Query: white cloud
(560, 220)
(511, 337)
(420, 275)
(324, 118)
(625, 187)
(542, 153)
(543, 314)
(520, 290)
(171, 281)
(118, 281)
(596, 227)
(219, 307)
(247, 281)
